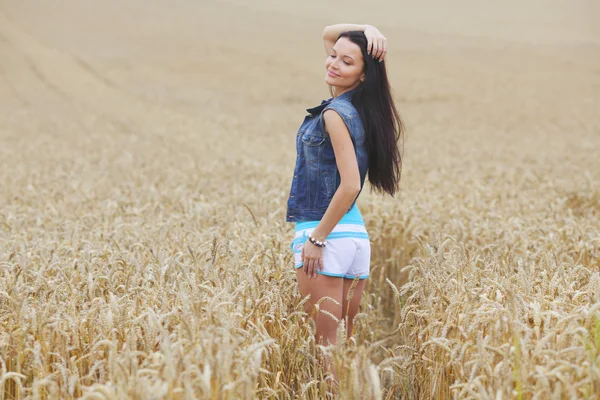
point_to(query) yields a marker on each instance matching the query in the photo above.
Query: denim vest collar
(317, 110)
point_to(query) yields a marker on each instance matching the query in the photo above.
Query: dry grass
(143, 248)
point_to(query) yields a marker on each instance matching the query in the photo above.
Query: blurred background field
(146, 153)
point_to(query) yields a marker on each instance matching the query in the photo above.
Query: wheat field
(146, 153)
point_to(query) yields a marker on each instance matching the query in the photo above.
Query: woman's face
(344, 65)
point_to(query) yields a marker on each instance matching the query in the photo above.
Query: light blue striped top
(351, 217)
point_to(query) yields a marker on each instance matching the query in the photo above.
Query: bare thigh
(319, 287)
(350, 307)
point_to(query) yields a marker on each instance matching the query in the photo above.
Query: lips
(331, 73)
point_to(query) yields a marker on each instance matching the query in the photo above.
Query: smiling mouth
(332, 74)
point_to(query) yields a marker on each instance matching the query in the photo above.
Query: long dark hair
(381, 120)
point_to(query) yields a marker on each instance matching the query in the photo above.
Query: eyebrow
(343, 55)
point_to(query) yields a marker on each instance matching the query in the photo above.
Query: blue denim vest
(316, 177)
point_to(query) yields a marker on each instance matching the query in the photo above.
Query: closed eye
(331, 55)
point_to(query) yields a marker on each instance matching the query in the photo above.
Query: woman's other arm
(331, 33)
(376, 42)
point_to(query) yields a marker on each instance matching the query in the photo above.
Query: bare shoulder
(335, 126)
(334, 123)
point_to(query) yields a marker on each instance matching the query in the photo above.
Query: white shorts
(346, 255)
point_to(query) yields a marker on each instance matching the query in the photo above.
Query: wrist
(317, 242)
(318, 236)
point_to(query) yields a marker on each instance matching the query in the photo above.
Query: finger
(321, 264)
(374, 52)
(306, 262)
(302, 254)
(369, 44)
(380, 47)
(383, 55)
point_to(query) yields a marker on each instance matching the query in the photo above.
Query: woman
(353, 133)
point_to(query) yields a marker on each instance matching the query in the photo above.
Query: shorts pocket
(297, 247)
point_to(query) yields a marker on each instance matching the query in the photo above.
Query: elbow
(351, 189)
(325, 32)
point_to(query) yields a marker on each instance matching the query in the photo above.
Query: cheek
(356, 73)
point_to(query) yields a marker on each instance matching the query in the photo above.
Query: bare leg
(323, 286)
(350, 308)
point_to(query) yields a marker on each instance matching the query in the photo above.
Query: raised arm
(331, 33)
(376, 42)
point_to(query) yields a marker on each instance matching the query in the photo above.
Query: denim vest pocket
(314, 143)
(312, 139)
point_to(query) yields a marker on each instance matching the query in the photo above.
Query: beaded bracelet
(317, 242)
